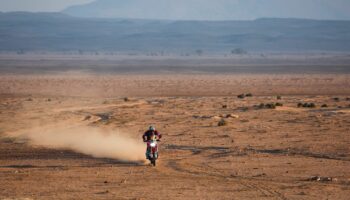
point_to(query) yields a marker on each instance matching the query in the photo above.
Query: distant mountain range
(213, 9)
(22, 31)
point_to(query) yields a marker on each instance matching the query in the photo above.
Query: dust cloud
(92, 141)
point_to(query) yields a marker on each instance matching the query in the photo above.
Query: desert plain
(73, 132)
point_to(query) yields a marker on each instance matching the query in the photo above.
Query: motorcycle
(152, 150)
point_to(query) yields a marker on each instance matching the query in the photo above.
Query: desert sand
(74, 135)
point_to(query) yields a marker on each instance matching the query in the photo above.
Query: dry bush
(279, 97)
(222, 122)
(279, 104)
(308, 105)
(261, 106)
(324, 106)
(241, 96)
(270, 106)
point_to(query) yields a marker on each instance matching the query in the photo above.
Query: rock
(232, 116)
(216, 117)
(320, 179)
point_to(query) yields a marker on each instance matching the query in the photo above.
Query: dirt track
(262, 154)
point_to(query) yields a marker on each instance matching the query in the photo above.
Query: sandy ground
(260, 153)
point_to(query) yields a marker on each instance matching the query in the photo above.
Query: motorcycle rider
(148, 135)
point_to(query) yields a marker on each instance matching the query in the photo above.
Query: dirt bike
(152, 150)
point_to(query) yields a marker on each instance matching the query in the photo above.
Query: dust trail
(92, 141)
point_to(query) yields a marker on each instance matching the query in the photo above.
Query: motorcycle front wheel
(153, 160)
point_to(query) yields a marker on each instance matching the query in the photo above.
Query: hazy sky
(38, 5)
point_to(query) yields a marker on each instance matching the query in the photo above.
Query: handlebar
(150, 140)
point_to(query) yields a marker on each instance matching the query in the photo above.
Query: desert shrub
(348, 99)
(224, 106)
(126, 99)
(239, 51)
(29, 99)
(270, 106)
(48, 100)
(249, 95)
(261, 106)
(336, 99)
(279, 97)
(324, 106)
(309, 105)
(279, 104)
(241, 96)
(300, 105)
(222, 122)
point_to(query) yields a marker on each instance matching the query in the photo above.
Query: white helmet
(152, 128)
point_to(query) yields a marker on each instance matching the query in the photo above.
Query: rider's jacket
(148, 135)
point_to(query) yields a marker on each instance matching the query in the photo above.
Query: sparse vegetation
(224, 106)
(279, 97)
(324, 106)
(239, 51)
(222, 122)
(270, 106)
(199, 52)
(241, 96)
(279, 104)
(307, 105)
(261, 106)
(336, 99)
(126, 99)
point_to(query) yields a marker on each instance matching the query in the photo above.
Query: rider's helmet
(152, 128)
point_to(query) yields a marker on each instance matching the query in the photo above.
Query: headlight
(153, 144)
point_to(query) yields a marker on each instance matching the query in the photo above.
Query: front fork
(149, 153)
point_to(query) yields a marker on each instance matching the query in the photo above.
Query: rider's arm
(144, 136)
(158, 135)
